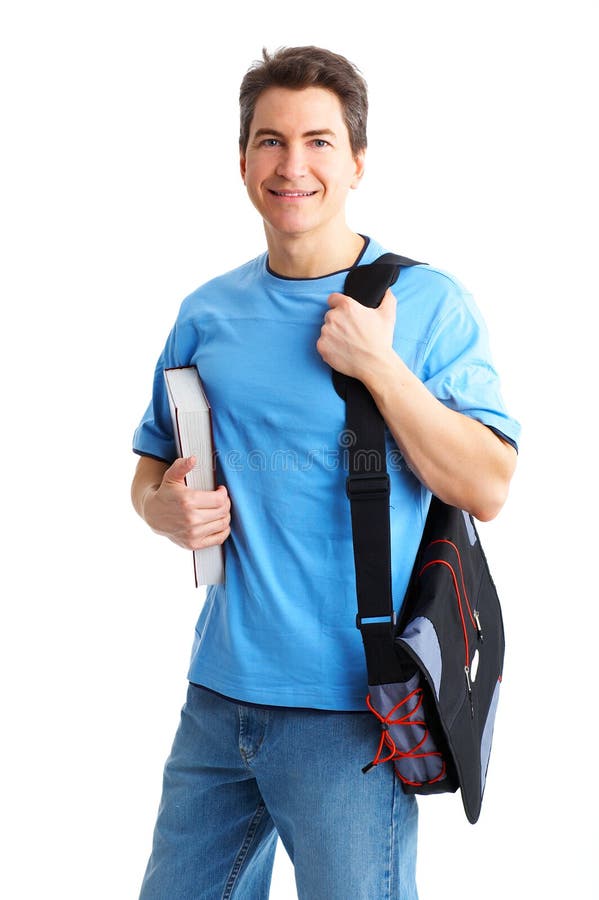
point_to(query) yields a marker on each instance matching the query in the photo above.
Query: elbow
(482, 485)
(490, 501)
(483, 501)
(489, 507)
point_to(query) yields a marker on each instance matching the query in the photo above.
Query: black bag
(434, 675)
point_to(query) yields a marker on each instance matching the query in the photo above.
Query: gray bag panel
(421, 636)
(487, 737)
(417, 760)
(469, 528)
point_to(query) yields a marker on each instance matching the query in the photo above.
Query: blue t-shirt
(281, 630)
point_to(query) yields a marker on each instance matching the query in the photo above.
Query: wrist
(145, 502)
(382, 372)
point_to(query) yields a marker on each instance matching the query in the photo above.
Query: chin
(288, 228)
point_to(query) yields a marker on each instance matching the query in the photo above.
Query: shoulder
(433, 282)
(429, 280)
(431, 295)
(222, 286)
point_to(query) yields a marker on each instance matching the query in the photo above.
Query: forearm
(460, 460)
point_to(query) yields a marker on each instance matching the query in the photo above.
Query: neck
(310, 255)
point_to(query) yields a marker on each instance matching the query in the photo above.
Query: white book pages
(192, 425)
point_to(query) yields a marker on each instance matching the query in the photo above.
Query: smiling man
(274, 730)
(298, 175)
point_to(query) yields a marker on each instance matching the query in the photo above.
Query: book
(192, 427)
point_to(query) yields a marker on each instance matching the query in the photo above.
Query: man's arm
(460, 460)
(190, 518)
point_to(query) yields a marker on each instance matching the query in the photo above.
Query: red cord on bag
(459, 556)
(456, 587)
(395, 753)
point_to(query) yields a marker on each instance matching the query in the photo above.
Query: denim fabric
(240, 775)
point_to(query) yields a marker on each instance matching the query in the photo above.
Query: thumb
(179, 469)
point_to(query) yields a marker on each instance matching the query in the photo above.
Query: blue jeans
(239, 776)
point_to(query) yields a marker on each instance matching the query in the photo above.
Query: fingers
(387, 304)
(203, 518)
(353, 337)
(204, 507)
(195, 498)
(207, 502)
(190, 518)
(336, 299)
(208, 534)
(350, 319)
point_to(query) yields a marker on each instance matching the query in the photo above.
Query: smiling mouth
(292, 195)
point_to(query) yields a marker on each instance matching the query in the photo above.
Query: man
(273, 734)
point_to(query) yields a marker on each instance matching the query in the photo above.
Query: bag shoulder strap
(367, 484)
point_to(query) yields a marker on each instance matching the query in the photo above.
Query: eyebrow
(315, 132)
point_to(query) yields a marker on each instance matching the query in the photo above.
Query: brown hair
(301, 67)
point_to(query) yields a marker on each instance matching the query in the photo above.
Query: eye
(270, 142)
(319, 143)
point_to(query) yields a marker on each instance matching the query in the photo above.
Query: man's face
(298, 165)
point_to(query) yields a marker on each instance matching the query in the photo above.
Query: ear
(242, 165)
(360, 162)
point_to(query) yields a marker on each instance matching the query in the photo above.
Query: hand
(190, 518)
(354, 339)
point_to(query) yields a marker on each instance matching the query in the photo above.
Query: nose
(292, 162)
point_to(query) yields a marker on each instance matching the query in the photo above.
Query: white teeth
(294, 193)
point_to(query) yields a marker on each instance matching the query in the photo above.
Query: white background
(120, 194)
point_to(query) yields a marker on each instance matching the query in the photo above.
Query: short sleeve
(458, 369)
(154, 434)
